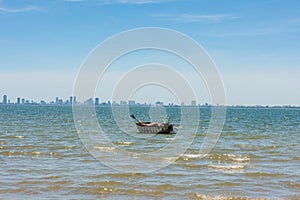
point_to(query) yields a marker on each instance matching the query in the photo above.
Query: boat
(153, 127)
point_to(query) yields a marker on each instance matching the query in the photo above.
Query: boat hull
(155, 129)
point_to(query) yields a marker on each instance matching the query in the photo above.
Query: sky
(254, 44)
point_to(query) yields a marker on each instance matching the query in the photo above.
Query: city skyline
(95, 100)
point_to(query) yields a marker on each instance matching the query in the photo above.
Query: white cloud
(140, 1)
(197, 18)
(101, 2)
(74, 0)
(264, 28)
(19, 10)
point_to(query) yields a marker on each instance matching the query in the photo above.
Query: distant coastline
(149, 105)
(96, 101)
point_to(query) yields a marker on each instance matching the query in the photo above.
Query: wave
(23, 153)
(221, 197)
(241, 159)
(121, 143)
(170, 139)
(229, 162)
(105, 149)
(229, 157)
(264, 174)
(193, 155)
(228, 167)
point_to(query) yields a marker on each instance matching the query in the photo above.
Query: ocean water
(257, 156)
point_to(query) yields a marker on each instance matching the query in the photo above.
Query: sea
(43, 155)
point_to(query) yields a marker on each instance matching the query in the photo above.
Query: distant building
(159, 103)
(104, 104)
(18, 100)
(89, 101)
(58, 101)
(71, 100)
(96, 101)
(4, 99)
(131, 102)
(74, 100)
(23, 101)
(193, 103)
(182, 104)
(123, 103)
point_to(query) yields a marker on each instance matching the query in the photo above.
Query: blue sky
(255, 44)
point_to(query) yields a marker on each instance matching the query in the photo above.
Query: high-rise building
(18, 100)
(23, 101)
(74, 100)
(123, 102)
(4, 99)
(56, 100)
(193, 103)
(96, 101)
(131, 102)
(71, 100)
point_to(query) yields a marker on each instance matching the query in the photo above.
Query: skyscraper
(193, 103)
(74, 100)
(4, 99)
(96, 101)
(131, 102)
(71, 100)
(123, 102)
(18, 100)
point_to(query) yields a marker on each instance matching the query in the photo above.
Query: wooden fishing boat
(153, 127)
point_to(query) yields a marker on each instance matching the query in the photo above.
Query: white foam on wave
(241, 159)
(232, 157)
(105, 149)
(227, 166)
(238, 158)
(192, 155)
(170, 139)
(170, 159)
(121, 143)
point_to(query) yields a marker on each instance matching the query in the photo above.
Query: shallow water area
(42, 156)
